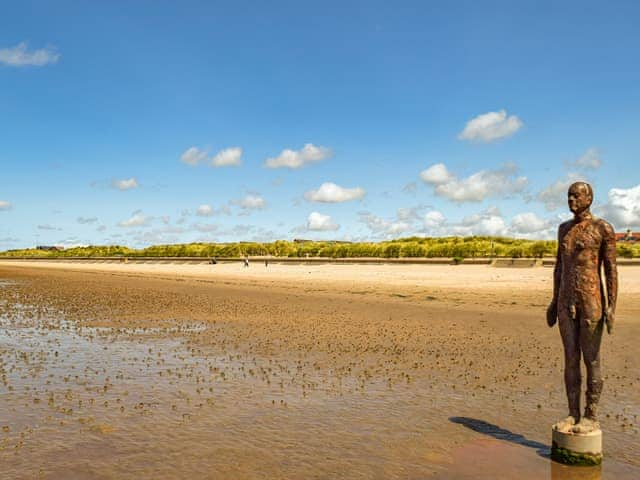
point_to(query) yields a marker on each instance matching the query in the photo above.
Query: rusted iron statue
(585, 289)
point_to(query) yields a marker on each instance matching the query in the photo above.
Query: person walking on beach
(583, 301)
(246, 261)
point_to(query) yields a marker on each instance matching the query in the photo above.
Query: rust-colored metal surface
(585, 289)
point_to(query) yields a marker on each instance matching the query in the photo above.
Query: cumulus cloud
(436, 174)
(554, 196)
(229, 157)
(320, 222)
(622, 208)
(529, 223)
(20, 56)
(298, 158)
(434, 219)
(251, 202)
(204, 211)
(590, 159)
(476, 187)
(86, 220)
(332, 193)
(136, 220)
(193, 156)
(4, 205)
(490, 126)
(489, 222)
(126, 184)
(383, 227)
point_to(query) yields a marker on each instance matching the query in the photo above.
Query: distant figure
(585, 289)
(213, 261)
(246, 262)
(266, 262)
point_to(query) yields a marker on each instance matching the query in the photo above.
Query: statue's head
(580, 196)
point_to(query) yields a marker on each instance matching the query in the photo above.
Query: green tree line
(428, 247)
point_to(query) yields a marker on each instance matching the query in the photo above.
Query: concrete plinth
(576, 448)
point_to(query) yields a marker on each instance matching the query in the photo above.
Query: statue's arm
(608, 256)
(552, 310)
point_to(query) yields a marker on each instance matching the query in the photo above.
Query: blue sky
(156, 122)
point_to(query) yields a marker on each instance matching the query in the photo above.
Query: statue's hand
(609, 318)
(552, 314)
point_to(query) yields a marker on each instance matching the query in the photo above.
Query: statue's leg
(570, 332)
(590, 338)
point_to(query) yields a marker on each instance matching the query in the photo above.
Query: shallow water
(79, 402)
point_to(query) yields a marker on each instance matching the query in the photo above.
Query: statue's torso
(580, 249)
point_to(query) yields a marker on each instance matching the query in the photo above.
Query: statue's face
(578, 198)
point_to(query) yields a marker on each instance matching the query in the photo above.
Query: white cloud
(19, 56)
(490, 126)
(126, 184)
(489, 222)
(434, 219)
(4, 205)
(622, 207)
(383, 227)
(436, 174)
(408, 213)
(589, 159)
(529, 223)
(251, 202)
(193, 156)
(204, 211)
(320, 222)
(298, 158)
(86, 220)
(229, 157)
(332, 193)
(555, 195)
(136, 220)
(476, 187)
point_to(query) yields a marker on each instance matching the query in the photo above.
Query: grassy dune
(451, 247)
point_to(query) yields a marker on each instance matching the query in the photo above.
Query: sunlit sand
(294, 371)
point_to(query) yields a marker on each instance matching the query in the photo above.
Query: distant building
(53, 248)
(628, 237)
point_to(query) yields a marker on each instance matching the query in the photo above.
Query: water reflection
(565, 472)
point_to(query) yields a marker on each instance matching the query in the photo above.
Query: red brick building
(628, 237)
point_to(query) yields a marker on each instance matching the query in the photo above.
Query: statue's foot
(565, 425)
(586, 425)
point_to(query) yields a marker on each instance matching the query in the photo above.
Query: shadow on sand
(498, 433)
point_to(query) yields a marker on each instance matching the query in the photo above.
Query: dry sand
(296, 371)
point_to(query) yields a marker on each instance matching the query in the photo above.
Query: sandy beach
(296, 371)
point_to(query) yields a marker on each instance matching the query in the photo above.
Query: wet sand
(295, 371)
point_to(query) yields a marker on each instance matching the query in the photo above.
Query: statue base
(569, 448)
